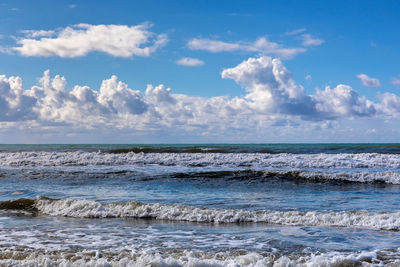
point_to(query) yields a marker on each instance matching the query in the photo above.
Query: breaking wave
(215, 148)
(259, 148)
(365, 168)
(29, 257)
(255, 160)
(387, 177)
(92, 209)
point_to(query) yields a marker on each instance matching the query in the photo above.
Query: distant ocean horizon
(304, 204)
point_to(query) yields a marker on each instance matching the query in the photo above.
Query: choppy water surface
(200, 205)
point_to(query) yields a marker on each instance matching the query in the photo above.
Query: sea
(200, 205)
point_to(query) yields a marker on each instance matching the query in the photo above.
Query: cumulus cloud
(342, 101)
(272, 99)
(309, 40)
(81, 39)
(15, 103)
(368, 81)
(390, 105)
(261, 45)
(190, 62)
(118, 98)
(272, 89)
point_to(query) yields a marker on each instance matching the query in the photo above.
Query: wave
(189, 149)
(92, 209)
(260, 148)
(364, 168)
(385, 177)
(252, 148)
(223, 176)
(233, 160)
(29, 257)
(216, 148)
(226, 176)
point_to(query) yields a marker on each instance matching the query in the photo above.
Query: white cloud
(261, 45)
(368, 81)
(342, 101)
(271, 99)
(40, 33)
(213, 46)
(308, 77)
(118, 98)
(295, 32)
(396, 81)
(190, 62)
(15, 103)
(272, 89)
(269, 85)
(72, 6)
(309, 40)
(390, 104)
(81, 39)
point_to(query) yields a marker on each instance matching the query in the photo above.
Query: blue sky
(317, 43)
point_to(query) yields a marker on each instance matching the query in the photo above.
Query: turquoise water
(196, 205)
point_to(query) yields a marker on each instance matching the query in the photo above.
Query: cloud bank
(81, 39)
(272, 98)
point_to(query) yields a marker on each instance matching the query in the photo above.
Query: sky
(199, 71)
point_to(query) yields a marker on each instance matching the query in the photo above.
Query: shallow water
(195, 205)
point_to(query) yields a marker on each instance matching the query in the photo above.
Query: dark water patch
(167, 150)
(119, 172)
(260, 175)
(24, 204)
(242, 175)
(18, 204)
(262, 148)
(212, 148)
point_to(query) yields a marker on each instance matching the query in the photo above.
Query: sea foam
(93, 209)
(362, 167)
(194, 258)
(254, 160)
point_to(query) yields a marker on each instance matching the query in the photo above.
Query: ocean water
(200, 205)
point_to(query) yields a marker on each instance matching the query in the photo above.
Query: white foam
(389, 177)
(366, 167)
(192, 258)
(255, 160)
(93, 209)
